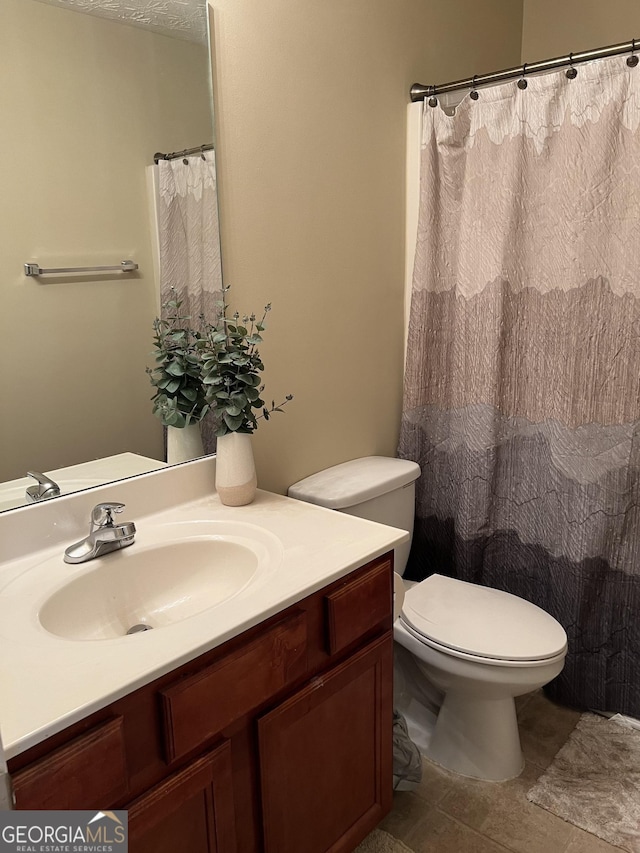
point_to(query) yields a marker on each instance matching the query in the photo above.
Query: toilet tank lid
(355, 482)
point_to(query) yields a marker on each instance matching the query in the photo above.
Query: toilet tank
(378, 488)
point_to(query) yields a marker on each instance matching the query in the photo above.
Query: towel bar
(36, 269)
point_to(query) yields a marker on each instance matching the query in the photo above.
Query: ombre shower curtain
(521, 399)
(189, 243)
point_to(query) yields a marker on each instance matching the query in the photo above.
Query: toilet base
(477, 738)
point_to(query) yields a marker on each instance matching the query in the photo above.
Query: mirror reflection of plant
(231, 371)
(180, 397)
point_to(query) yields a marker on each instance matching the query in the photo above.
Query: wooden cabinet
(277, 741)
(325, 756)
(88, 769)
(192, 810)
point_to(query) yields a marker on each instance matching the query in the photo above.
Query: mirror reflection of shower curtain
(189, 242)
(521, 398)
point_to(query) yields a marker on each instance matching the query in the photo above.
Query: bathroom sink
(168, 575)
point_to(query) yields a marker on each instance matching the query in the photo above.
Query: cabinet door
(192, 810)
(326, 757)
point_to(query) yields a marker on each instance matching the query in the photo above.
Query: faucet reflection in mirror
(43, 489)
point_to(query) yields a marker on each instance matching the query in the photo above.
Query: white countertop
(49, 682)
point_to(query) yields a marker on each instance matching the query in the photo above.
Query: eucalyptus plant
(180, 397)
(231, 371)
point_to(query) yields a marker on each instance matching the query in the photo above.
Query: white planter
(235, 469)
(184, 444)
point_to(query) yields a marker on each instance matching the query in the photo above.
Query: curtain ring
(433, 101)
(632, 60)
(571, 72)
(522, 83)
(473, 94)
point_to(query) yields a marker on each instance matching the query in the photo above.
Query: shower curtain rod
(199, 149)
(419, 91)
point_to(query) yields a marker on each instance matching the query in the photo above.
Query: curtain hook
(202, 152)
(473, 94)
(522, 83)
(433, 101)
(632, 60)
(571, 72)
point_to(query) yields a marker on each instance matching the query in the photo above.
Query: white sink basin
(169, 574)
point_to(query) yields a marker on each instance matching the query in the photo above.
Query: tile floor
(452, 814)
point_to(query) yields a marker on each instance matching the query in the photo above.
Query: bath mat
(594, 782)
(380, 841)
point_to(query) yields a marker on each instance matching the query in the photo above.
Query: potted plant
(180, 398)
(219, 371)
(231, 376)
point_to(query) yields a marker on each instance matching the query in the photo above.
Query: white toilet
(463, 651)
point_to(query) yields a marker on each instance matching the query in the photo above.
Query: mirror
(87, 100)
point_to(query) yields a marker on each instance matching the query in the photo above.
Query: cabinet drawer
(89, 772)
(199, 707)
(358, 606)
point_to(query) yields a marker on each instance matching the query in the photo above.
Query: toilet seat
(401, 625)
(480, 623)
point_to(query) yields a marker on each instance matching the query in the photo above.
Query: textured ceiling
(181, 18)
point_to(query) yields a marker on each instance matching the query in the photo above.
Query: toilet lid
(481, 621)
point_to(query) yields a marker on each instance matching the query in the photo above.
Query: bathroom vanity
(262, 723)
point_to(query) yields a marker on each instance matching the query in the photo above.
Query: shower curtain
(521, 398)
(189, 243)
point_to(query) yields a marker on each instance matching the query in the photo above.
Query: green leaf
(176, 369)
(233, 422)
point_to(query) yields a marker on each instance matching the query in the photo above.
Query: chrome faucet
(43, 489)
(104, 536)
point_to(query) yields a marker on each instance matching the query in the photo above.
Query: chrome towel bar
(36, 269)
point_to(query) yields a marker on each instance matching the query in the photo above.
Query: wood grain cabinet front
(326, 757)
(87, 770)
(191, 811)
(197, 708)
(359, 605)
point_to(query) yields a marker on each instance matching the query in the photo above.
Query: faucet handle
(102, 515)
(45, 487)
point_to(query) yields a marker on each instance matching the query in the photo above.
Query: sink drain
(136, 629)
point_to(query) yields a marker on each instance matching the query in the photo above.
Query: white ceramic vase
(184, 443)
(235, 469)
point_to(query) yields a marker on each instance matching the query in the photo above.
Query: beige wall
(311, 115)
(552, 29)
(84, 105)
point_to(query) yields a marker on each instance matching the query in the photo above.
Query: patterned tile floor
(452, 814)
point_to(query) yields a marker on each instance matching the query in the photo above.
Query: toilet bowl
(464, 652)
(480, 648)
